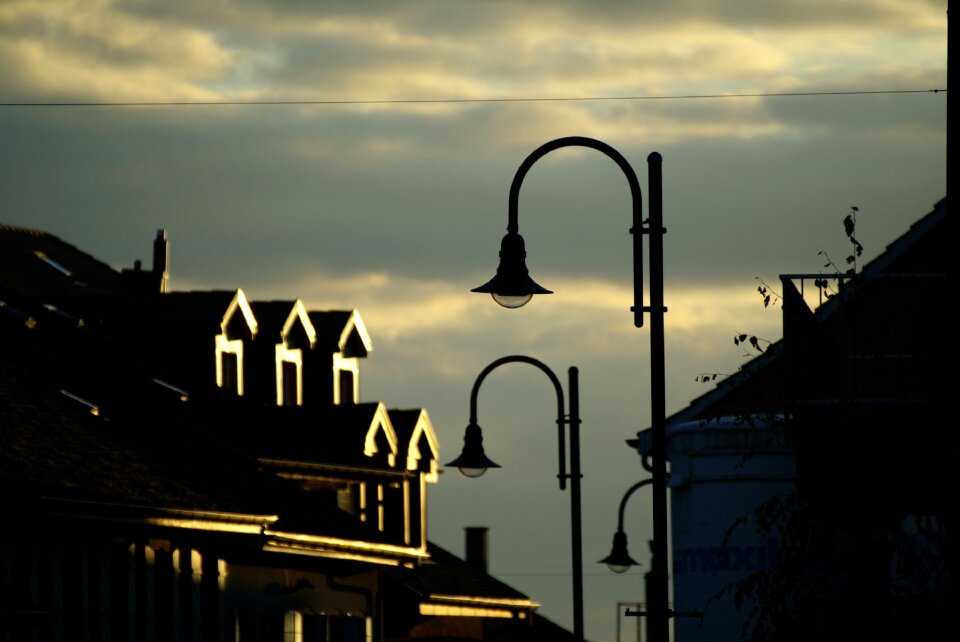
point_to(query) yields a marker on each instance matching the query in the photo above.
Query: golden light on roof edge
(240, 301)
(299, 312)
(525, 602)
(424, 427)
(289, 548)
(381, 418)
(326, 540)
(355, 322)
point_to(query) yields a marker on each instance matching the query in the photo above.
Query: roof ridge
(16, 229)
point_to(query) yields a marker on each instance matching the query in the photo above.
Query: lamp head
(473, 462)
(512, 286)
(619, 560)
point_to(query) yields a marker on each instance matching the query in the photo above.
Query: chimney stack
(161, 258)
(477, 547)
(155, 280)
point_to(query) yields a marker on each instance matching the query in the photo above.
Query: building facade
(199, 466)
(810, 491)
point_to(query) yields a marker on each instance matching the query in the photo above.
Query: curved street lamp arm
(561, 420)
(637, 201)
(623, 502)
(573, 141)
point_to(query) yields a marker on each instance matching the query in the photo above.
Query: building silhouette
(812, 491)
(198, 466)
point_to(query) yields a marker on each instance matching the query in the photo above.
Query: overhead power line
(456, 101)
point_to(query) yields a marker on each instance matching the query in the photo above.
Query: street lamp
(513, 287)
(473, 461)
(619, 560)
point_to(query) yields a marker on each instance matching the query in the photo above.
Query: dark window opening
(289, 374)
(230, 367)
(346, 387)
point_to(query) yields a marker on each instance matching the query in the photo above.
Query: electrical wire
(456, 101)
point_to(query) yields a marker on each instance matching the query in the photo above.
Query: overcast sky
(397, 208)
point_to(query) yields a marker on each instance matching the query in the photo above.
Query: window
(346, 387)
(229, 368)
(293, 626)
(229, 355)
(289, 376)
(346, 379)
(346, 498)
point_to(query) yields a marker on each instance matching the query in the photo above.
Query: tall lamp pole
(512, 287)
(473, 461)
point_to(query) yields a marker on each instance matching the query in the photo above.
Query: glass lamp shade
(473, 461)
(619, 560)
(512, 286)
(472, 473)
(512, 301)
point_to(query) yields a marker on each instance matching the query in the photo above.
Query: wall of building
(721, 471)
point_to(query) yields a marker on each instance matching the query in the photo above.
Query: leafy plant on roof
(825, 282)
(770, 296)
(758, 344)
(752, 345)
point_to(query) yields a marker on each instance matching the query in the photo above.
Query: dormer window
(342, 341)
(230, 364)
(297, 336)
(346, 379)
(237, 324)
(289, 376)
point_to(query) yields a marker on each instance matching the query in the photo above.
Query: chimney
(161, 258)
(477, 547)
(155, 280)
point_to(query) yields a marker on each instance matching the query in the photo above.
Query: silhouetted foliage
(825, 282)
(707, 377)
(770, 296)
(742, 339)
(850, 228)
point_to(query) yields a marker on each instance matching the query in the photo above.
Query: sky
(372, 170)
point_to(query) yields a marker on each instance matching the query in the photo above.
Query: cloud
(88, 50)
(330, 51)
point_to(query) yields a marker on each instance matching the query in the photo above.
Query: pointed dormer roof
(238, 310)
(341, 331)
(419, 446)
(282, 320)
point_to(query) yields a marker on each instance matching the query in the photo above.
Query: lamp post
(513, 287)
(473, 461)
